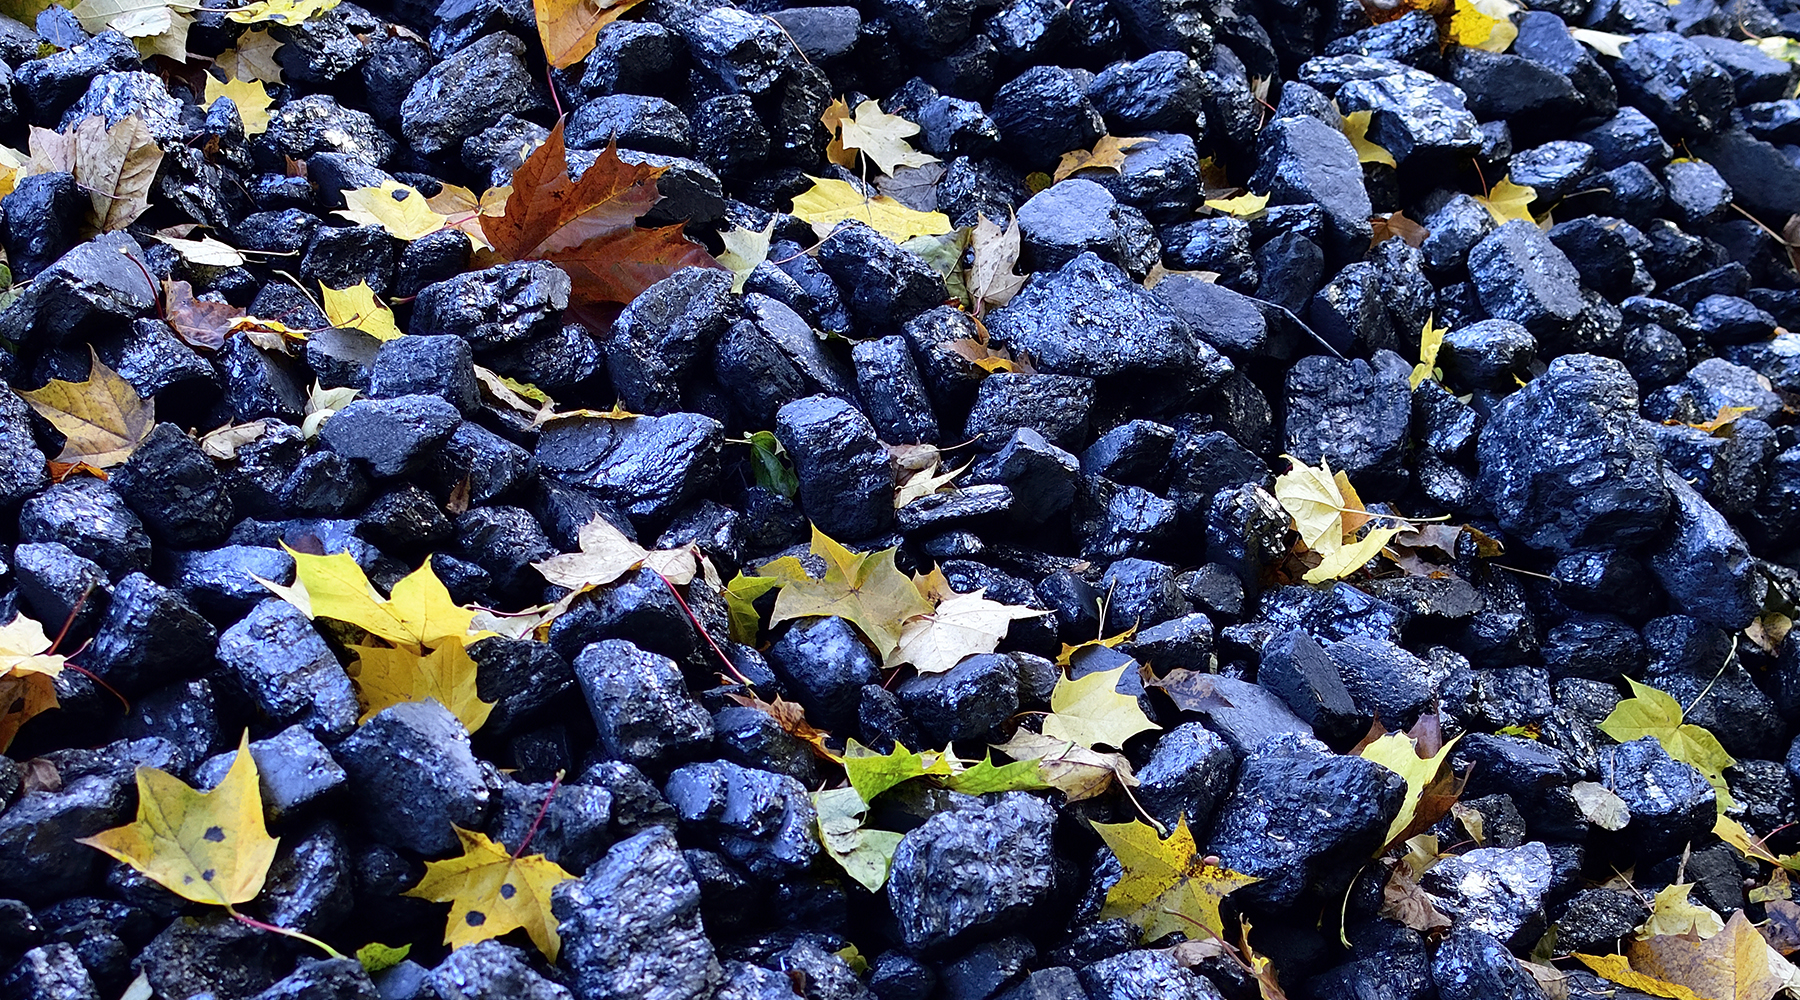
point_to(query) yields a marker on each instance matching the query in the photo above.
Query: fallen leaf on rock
(831, 201)
(875, 134)
(1403, 900)
(863, 588)
(1484, 24)
(252, 58)
(1431, 341)
(1617, 968)
(1067, 766)
(872, 773)
(1167, 885)
(202, 323)
(210, 847)
(463, 210)
(131, 18)
(606, 554)
(289, 12)
(994, 255)
(588, 227)
(962, 625)
(1091, 711)
(1734, 964)
(1244, 206)
(944, 253)
(102, 420)
(1508, 201)
(569, 28)
(1732, 832)
(377, 957)
(116, 165)
(986, 777)
(864, 854)
(1782, 930)
(740, 609)
(250, 96)
(204, 250)
(398, 208)
(357, 308)
(1352, 556)
(1774, 46)
(321, 403)
(490, 892)
(978, 351)
(27, 675)
(1649, 712)
(1318, 500)
(1726, 416)
(1400, 753)
(914, 187)
(1356, 129)
(1395, 225)
(1108, 154)
(1604, 42)
(1601, 806)
(1672, 912)
(924, 482)
(791, 716)
(387, 676)
(744, 249)
(1193, 690)
(221, 444)
(418, 611)
(1268, 984)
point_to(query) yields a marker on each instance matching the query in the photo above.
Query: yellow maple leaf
(1244, 206)
(1672, 912)
(1314, 498)
(387, 675)
(863, 588)
(27, 675)
(250, 96)
(1076, 771)
(1167, 886)
(1483, 24)
(1431, 340)
(875, 134)
(1108, 154)
(1090, 710)
(398, 208)
(1352, 556)
(1726, 416)
(490, 892)
(1399, 753)
(102, 420)
(418, 612)
(210, 847)
(744, 249)
(463, 210)
(1649, 712)
(1734, 964)
(288, 12)
(1356, 129)
(1110, 642)
(1508, 201)
(1617, 968)
(357, 307)
(830, 201)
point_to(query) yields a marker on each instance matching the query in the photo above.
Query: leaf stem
(704, 634)
(543, 810)
(283, 931)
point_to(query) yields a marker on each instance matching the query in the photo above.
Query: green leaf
(768, 462)
(740, 608)
(377, 957)
(985, 777)
(872, 773)
(945, 253)
(1650, 712)
(864, 854)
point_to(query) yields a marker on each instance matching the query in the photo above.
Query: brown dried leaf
(199, 322)
(569, 28)
(1107, 154)
(1193, 691)
(1403, 900)
(103, 419)
(1398, 226)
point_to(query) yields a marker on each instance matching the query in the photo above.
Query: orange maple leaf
(588, 227)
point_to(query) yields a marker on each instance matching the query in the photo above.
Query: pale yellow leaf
(831, 201)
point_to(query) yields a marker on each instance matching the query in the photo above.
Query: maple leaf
(222, 443)
(1431, 340)
(830, 201)
(1649, 712)
(388, 675)
(289, 12)
(791, 716)
(210, 847)
(986, 776)
(377, 957)
(1356, 129)
(131, 18)
(1352, 556)
(200, 322)
(1401, 754)
(1734, 964)
(1068, 652)
(398, 208)
(1483, 24)
(357, 308)
(588, 227)
(1091, 711)
(868, 130)
(250, 96)
(490, 892)
(872, 773)
(994, 253)
(744, 249)
(1403, 900)
(1108, 154)
(914, 187)
(606, 554)
(1395, 225)
(27, 675)
(115, 164)
(1617, 968)
(418, 611)
(463, 210)
(864, 854)
(321, 403)
(962, 625)
(102, 420)
(978, 351)
(569, 28)
(863, 588)
(204, 250)
(252, 58)
(1726, 416)
(1508, 201)
(1076, 771)
(1671, 912)
(1167, 885)
(740, 594)
(922, 482)
(1317, 501)
(1244, 206)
